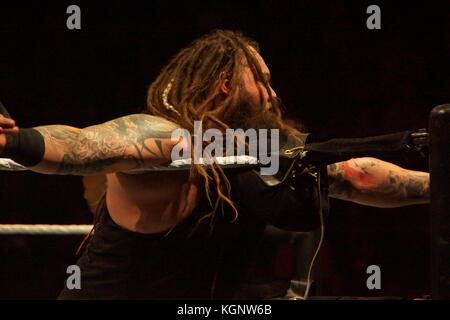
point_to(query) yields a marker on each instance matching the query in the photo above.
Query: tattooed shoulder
(129, 142)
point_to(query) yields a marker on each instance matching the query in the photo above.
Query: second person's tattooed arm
(377, 183)
(130, 142)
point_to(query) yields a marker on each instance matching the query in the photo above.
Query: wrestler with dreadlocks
(190, 234)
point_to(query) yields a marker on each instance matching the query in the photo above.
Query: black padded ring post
(440, 201)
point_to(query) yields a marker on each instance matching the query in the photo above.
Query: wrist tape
(26, 147)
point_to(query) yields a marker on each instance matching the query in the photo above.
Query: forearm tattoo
(339, 187)
(135, 139)
(412, 186)
(374, 181)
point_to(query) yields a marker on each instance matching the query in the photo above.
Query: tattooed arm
(130, 142)
(377, 183)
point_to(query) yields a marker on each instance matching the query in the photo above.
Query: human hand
(6, 126)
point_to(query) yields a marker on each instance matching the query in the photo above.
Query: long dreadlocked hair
(186, 91)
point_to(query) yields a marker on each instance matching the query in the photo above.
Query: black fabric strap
(384, 147)
(26, 147)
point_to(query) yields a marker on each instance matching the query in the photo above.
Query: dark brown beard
(249, 117)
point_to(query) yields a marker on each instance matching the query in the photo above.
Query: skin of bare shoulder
(151, 202)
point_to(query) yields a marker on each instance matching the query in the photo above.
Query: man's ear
(224, 83)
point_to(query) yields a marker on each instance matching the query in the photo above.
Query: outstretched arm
(377, 183)
(130, 142)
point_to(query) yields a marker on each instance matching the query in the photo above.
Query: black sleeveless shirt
(209, 263)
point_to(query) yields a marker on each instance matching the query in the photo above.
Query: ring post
(439, 162)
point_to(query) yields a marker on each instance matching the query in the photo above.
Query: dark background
(338, 77)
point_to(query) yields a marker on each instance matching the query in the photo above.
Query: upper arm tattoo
(339, 187)
(134, 139)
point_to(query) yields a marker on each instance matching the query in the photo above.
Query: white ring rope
(7, 164)
(55, 229)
